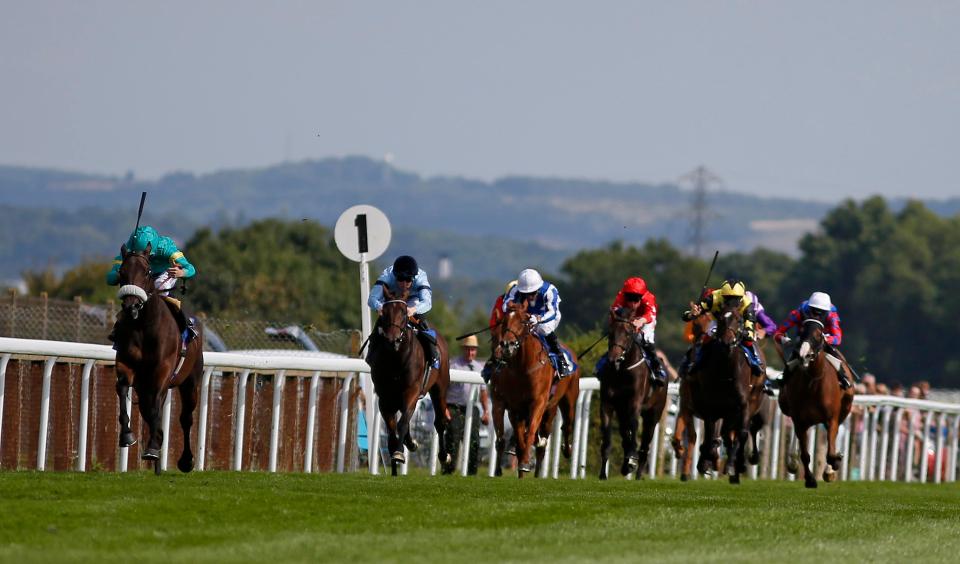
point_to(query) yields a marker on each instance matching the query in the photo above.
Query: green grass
(218, 516)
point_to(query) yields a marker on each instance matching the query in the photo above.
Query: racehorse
(525, 388)
(398, 368)
(686, 429)
(148, 343)
(720, 390)
(625, 388)
(811, 395)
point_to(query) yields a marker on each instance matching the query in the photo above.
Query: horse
(811, 395)
(686, 429)
(398, 368)
(148, 344)
(525, 389)
(720, 390)
(625, 388)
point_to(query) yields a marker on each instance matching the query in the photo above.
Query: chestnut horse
(625, 388)
(811, 395)
(720, 390)
(148, 344)
(397, 368)
(525, 388)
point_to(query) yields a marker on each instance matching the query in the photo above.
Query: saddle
(554, 361)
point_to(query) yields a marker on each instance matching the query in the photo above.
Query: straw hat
(471, 341)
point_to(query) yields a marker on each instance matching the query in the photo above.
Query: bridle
(616, 344)
(142, 295)
(510, 348)
(384, 323)
(809, 350)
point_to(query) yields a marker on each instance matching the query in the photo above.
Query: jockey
(764, 321)
(820, 308)
(543, 305)
(405, 276)
(642, 305)
(167, 263)
(496, 314)
(730, 292)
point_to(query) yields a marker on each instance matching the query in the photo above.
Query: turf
(232, 517)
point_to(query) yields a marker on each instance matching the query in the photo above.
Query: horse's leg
(147, 401)
(123, 389)
(498, 430)
(188, 401)
(520, 433)
(833, 459)
(543, 435)
(729, 434)
(709, 455)
(388, 411)
(690, 429)
(650, 421)
(568, 412)
(440, 422)
(627, 420)
(809, 479)
(606, 430)
(756, 424)
(406, 414)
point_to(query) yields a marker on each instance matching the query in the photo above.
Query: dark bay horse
(811, 395)
(720, 390)
(525, 388)
(397, 368)
(625, 388)
(148, 343)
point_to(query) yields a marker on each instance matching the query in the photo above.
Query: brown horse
(148, 343)
(398, 368)
(686, 432)
(811, 395)
(720, 390)
(625, 388)
(525, 388)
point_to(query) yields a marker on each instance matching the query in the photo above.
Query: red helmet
(634, 285)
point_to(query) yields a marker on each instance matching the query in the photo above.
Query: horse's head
(811, 341)
(621, 336)
(729, 323)
(511, 330)
(136, 283)
(392, 325)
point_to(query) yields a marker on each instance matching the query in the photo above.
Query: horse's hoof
(156, 468)
(630, 465)
(185, 465)
(704, 466)
(541, 442)
(498, 472)
(829, 476)
(150, 454)
(127, 440)
(411, 444)
(735, 479)
(684, 477)
(445, 459)
(792, 465)
(755, 457)
(603, 475)
(567, 451)
(398, 457)
(810, 483)
(525, 468)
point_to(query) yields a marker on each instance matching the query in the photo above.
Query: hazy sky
(808, 99)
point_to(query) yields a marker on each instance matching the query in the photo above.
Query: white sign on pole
(362, 229)
(363, 233)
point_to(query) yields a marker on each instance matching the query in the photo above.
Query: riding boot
(554, 344)
(753, 357)
(487, 372)
(841, 373)
(658, 375)
(429, 342)
(601, 366)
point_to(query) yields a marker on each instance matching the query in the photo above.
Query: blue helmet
(140, 238)
(405, 268)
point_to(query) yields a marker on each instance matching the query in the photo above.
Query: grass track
(220, 516)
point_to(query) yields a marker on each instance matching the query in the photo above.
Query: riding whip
(709, 273)
(595, 343)
(465, 335)
(143, 198)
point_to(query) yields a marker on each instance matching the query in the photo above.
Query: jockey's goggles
(631, 297)
(732, 299)
(404, 278)
(818, 313)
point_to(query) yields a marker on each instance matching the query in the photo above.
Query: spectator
(896, 389)
(458, 400)
(882, 389)
(870, 383)
(924, 389)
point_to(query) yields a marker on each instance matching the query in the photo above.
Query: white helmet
(820, 300)
(529, 281)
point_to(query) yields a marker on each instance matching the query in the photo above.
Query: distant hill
(488, 229)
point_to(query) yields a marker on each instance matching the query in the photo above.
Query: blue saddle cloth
(553, 358)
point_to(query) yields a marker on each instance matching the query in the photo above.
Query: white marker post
(362, 234)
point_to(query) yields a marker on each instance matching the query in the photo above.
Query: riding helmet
(405, 267)
(140, 238)
(635, 285)
(820, 300)
(529, 281)
(733, 289)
